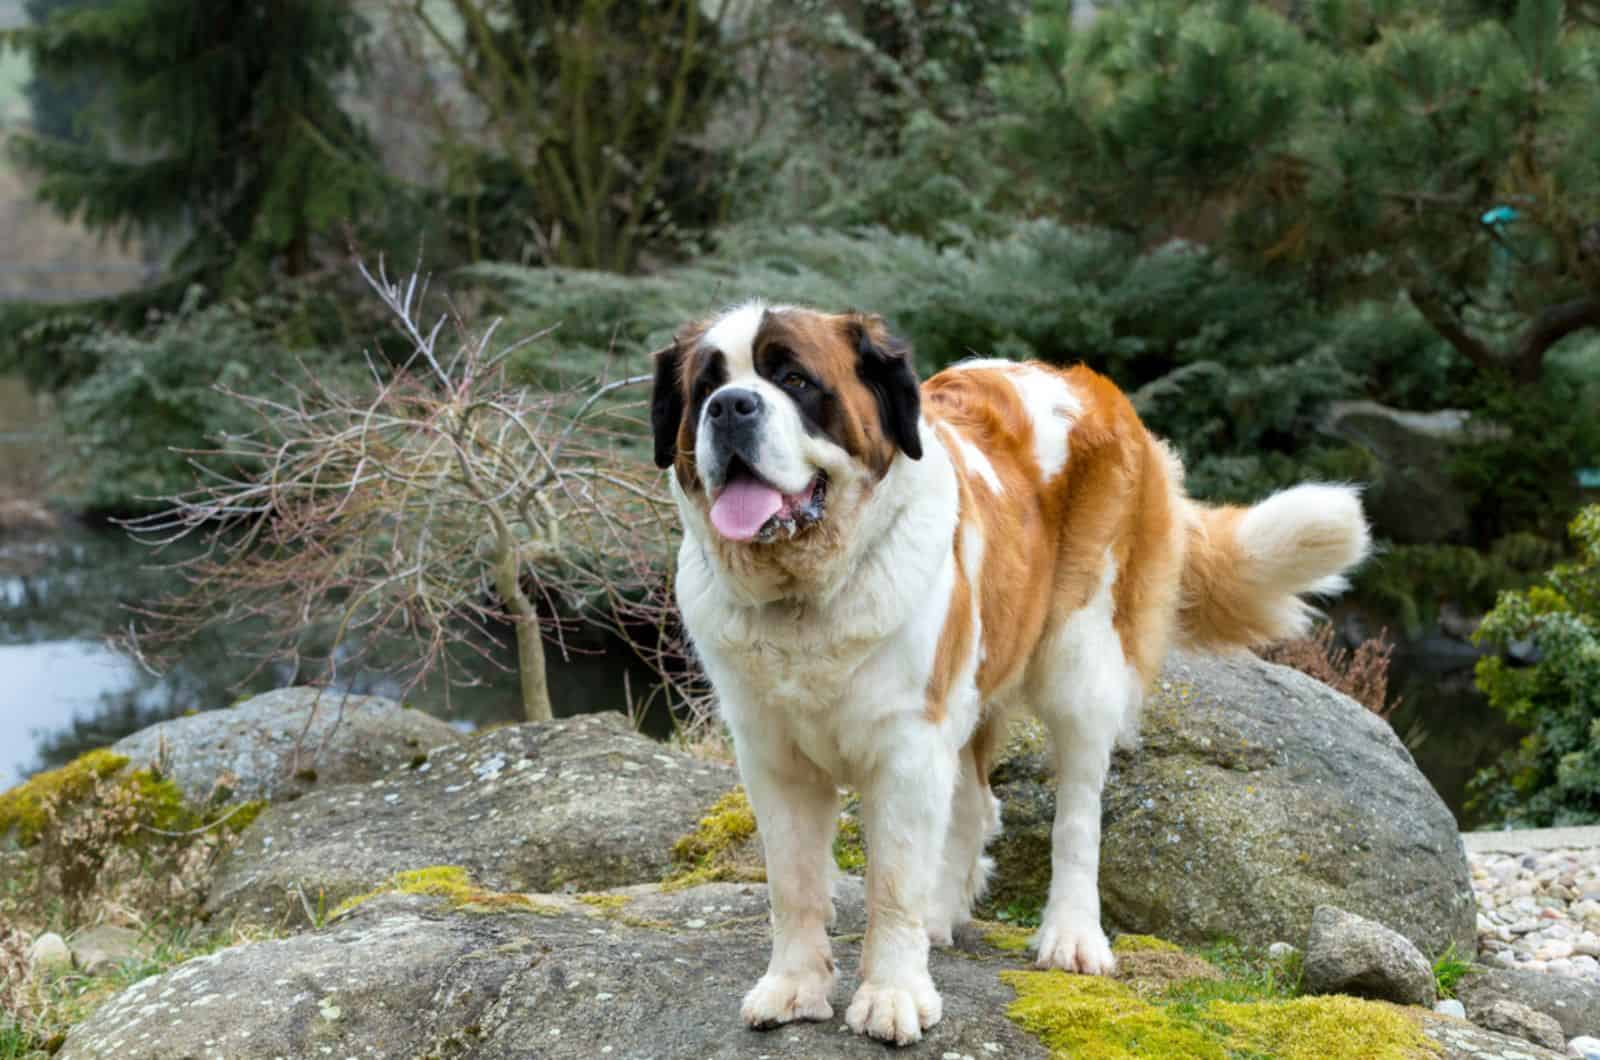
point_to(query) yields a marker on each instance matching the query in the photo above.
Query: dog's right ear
(666, 403)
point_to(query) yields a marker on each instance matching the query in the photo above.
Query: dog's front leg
(796, 808)
(906, 809)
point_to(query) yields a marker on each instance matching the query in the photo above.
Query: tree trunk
(530, 640)
(530, 667)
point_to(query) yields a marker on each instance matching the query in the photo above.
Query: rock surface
(583, 803)
(49, 953)
(1258, 795)
(1415, 499)
(1463, 1041)
(1520, 1021)
(106, 946)
(1348, 954)
(407, 976)
(1574, 1003)
(284, 742)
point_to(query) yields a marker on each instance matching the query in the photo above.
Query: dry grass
(1362, 674)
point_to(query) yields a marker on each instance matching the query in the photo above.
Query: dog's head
(778, 419)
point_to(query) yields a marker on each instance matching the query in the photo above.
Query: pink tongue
(743, 508)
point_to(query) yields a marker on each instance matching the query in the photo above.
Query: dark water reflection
(1445, 721)
(65, 688)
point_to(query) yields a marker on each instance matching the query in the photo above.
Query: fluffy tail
(1245, 568)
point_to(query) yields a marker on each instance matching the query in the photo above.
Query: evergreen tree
(218, 120)
(1446, 149)
(56, 101)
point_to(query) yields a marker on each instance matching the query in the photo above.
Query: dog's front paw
(779, 998)
(895, 1012)
(1075, 945)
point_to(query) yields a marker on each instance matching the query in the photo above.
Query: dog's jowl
(877, 574)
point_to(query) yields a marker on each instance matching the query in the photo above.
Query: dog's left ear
(883, 363)
(666, 403)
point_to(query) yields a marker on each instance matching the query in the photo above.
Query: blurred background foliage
(1340, 239)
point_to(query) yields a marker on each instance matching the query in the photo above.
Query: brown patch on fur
(691, 357)
(1047, 541)
(822, 343)
(1018, 563)
(1222, 607)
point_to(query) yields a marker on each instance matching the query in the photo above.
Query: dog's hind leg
(1082, 689)
(964, 872)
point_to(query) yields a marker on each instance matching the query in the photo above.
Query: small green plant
(1022, 912)
(1553, 777)
(1448, 968)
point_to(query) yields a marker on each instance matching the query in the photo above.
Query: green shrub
(1235, 370)
(1553, 778)
(152, 398)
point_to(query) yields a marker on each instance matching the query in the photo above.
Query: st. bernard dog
(876, 574)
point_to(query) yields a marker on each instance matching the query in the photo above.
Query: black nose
(734, 407)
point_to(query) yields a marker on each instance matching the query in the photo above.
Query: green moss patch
(608, 903)
(719, 848)
(1126, 944)
(1076, 1015)
(24, 809)
(849, 852)
(1007, 937)
(452, 883)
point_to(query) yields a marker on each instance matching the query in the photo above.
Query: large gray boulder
(1257, 795)
(285, 742)
(406, 976)
(640, 973)
(579, 803)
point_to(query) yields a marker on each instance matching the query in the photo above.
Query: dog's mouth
(749, 508)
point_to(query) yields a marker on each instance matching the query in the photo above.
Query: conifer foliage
(1441, 149)
(218, 119)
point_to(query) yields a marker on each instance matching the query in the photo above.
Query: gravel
(1539, 911)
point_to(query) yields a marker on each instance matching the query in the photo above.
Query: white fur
(985, 362)
(1294, 537)
(734, 333)
(1082, 688)
(1053, 408)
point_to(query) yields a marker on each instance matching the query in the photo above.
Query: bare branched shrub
(429, 508)
(17, 995)
(1362, 674)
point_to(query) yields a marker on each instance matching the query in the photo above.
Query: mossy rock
(576, 804)
(24, 810)
(158, 803)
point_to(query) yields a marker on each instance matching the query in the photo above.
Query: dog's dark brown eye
(795, 381)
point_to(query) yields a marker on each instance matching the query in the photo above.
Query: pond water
(66, 687)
